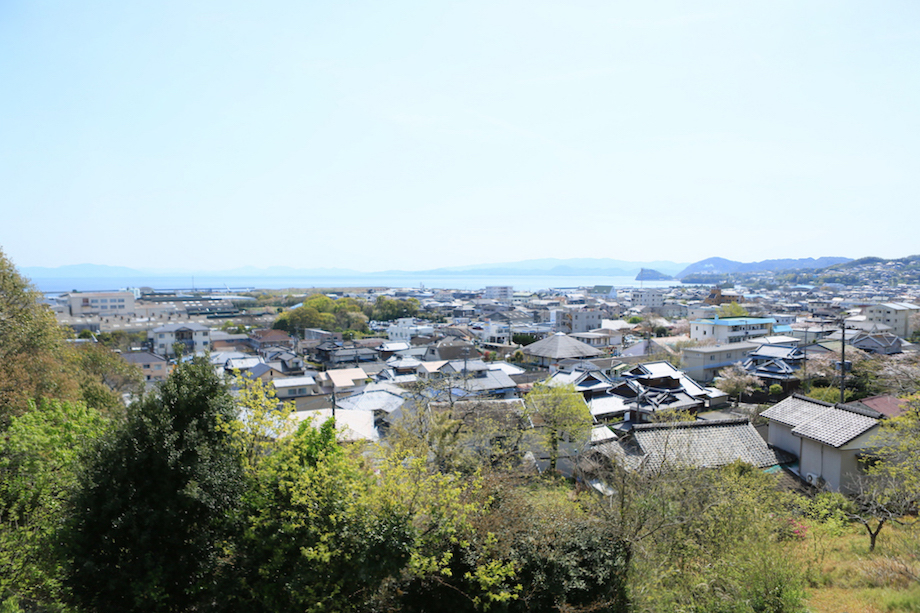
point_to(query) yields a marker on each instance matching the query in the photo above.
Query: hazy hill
(723, 266)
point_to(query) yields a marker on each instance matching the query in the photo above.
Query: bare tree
(881, 498)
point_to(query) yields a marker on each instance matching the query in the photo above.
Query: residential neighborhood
(632, 354)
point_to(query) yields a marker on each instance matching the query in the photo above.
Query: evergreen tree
(148, 520)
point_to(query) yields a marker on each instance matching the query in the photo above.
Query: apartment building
(100, 303)
(731, 329)
(193, 337)
(896, 315)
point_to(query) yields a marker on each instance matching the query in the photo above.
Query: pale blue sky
(390, 134)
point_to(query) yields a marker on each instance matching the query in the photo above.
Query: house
(225, 341)
(775, 363)
(260, 339)
(345, 381)
(694, 444)
(405, 328)
(350, 426)
(284, 360)
(704, 363)
(717, 297)
(154, 367)
(828, 439)
(464, 378)
(263, 371)
(647, 389)
(576, 319)
(589, 382)
(289, 388)
(730, 329)
(558, 347)
(882, 343)
(192, 337)
(451, 348)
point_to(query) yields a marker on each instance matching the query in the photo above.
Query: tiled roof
(700, 444)
(707, 444)
(833, 425)
(795, 410)
(560, 346)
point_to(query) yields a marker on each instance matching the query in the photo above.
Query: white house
(827, 439)
(731, 329)
(194, 337)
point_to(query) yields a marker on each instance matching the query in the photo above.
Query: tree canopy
(149, 516)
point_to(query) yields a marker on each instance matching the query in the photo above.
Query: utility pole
(843, 361)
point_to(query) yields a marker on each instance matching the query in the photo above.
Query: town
(633, 354)
(377, 449)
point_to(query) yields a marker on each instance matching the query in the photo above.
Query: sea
(52, 286)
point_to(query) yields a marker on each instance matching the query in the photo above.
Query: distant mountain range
(543, 267)
(716, 266)
(600, 267)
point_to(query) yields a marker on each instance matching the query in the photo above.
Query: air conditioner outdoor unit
(812, 478)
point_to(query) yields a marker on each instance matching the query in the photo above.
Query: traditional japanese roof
(559, 346)
(697, 444)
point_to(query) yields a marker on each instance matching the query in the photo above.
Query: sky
(412, 135)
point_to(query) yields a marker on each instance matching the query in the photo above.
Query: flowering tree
(735, 381)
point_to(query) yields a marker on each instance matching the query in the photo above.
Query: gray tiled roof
(560, 346)
(795, 410)
(707, 444)
(700, 444)
(833, 425)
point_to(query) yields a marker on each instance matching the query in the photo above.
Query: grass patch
(843, 576)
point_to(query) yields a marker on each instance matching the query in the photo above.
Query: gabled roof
(833, 425)
(889, 406)
(141, 357)
(373, 400)
(697, 444)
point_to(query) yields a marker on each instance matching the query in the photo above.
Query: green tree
(560, 414)
(40, 457)
(105, 376)
(147, 524)
(35, 360)
(388, 309)
(732, 309)
(891, 488)
(313, 540)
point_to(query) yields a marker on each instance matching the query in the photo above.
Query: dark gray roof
(142, 357)
(560, 346)
(698, 444)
